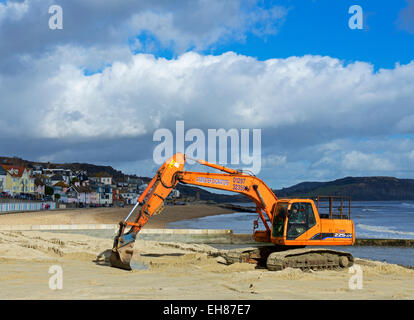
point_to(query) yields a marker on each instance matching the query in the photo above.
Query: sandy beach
(174, 270)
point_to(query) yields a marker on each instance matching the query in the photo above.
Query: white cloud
(319, 117)
(366, 162)
(295, 98)
(137, 94)
(13, 10)
(202, 24)
(273, 161)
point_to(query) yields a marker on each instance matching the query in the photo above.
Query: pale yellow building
(18, 180)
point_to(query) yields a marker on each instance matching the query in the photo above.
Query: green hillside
(358, 188)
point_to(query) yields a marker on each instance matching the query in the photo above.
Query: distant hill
(358, 188)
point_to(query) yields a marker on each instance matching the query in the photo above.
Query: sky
(330, 101)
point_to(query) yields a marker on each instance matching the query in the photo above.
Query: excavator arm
(167, 177)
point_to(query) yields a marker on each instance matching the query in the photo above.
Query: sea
(372, 220)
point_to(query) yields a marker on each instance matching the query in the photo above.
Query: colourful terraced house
(18, 180)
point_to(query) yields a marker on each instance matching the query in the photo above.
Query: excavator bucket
(123, 249)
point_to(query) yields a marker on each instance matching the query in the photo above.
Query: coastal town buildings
(103, 193)
(68, 187)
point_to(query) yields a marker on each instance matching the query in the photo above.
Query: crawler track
(276, 258)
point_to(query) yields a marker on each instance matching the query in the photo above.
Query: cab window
(300, 219)
(279, 220)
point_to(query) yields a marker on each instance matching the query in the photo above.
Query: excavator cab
(297, 222)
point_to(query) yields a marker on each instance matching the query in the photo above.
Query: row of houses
(68, 186)
(92, 194)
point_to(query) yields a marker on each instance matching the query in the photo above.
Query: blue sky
(320, 27)
(330, 101)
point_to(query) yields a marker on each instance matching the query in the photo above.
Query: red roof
(14, 171)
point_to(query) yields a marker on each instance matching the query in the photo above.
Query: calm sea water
(372, 219)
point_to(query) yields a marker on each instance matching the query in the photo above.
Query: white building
(174, 194)
(130, 196)
(102, 178)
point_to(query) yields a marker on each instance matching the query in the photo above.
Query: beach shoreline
(112, 215)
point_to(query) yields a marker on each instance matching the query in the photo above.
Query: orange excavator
(290, 224)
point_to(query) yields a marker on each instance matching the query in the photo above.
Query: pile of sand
(32, 245)
(37, 245)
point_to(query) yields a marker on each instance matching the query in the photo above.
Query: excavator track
(306, 259)
(275, 258)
